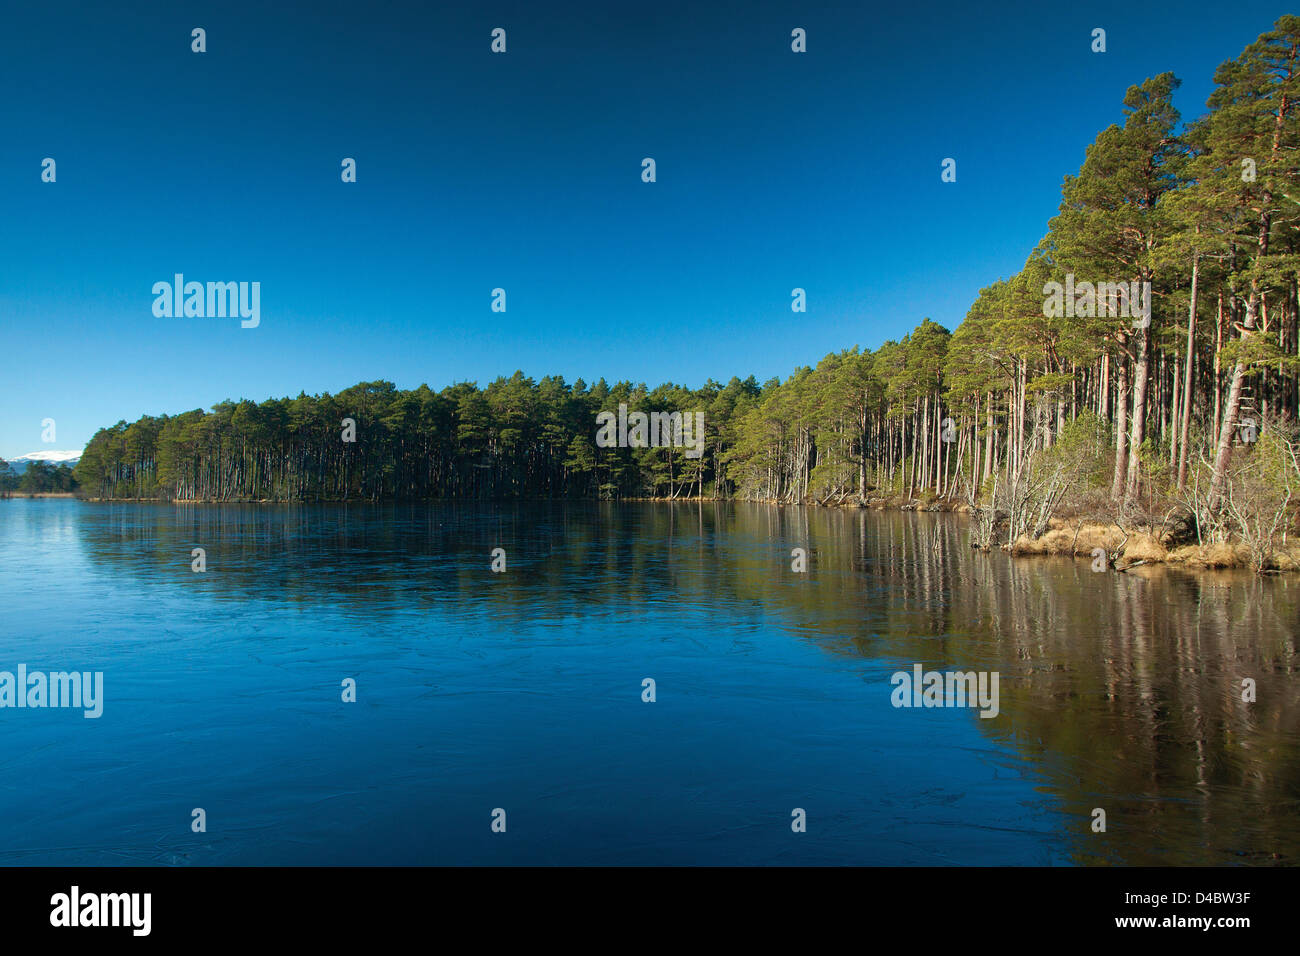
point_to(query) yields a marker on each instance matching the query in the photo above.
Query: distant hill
(69, 458)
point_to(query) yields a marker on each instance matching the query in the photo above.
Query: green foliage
(1087, 443)
(40, 477)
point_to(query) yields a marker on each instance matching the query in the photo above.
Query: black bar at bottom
(335, 905)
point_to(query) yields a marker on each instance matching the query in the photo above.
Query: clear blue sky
(522, 171)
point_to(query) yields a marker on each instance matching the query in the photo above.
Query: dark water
(522, 691)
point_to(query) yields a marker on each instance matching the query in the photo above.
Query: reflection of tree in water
(1124, 689)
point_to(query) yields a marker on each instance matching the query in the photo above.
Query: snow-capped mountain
(54, 456)
(68, 458)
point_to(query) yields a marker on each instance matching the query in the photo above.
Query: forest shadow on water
(523, 690)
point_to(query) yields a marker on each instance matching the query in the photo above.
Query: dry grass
(1079, 539)
(1144, 547)
(1210, 556)
(1070, 538)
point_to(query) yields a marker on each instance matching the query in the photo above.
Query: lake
(523, 691)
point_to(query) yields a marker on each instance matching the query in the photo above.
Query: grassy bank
(1082, 538)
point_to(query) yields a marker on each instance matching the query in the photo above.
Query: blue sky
(522, 171)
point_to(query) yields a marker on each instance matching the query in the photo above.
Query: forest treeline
(39, 477)
(1023, 407)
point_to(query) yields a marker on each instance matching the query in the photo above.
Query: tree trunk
(1187, 376)
(1224, 450)
(1141, 372)
(1121, 429)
